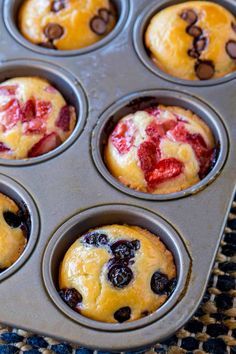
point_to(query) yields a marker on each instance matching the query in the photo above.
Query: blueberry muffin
(194, 40)
(160, 150)
(34, 118)
(104, 272)
(66, 24)
(13, 235)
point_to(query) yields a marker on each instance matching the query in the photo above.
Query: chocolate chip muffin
(194, 40)
(34, 118)
(104, 272)
(66, 24)
(13, 232)
(160, 150)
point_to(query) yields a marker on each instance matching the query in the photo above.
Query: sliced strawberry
(63, 120)
(47, 143)
(169, 125)
(43, 109)
(149, 154)
(198, 144)
(3, 147)
(35, 126)
(8, 90)
(179, 133)
(123, 136)
(28, 111)
(153, 111)
(164, 170)
(6, 105)
(11, 115)
(157, 130)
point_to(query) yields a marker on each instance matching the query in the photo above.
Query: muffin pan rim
(179, 252)
(11, 188)
(12, 28)
(139, 45)
(107, 115)
(70, 80)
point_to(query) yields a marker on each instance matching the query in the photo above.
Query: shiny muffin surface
(66, 24)
(34, 118)
(160, 150)
(12, 232)
(106, 270)
(194, 40)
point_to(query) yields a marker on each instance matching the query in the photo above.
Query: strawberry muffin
(66, 24)
(13, 235)
(194, 40)
(101, 275)
(34, 118)
(160, 150)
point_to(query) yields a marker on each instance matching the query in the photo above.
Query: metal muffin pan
(71, 194)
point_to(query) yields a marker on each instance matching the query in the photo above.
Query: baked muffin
(193, 40)
(160, 150)
(66, 24)
(34, 118)
(12, 232)
(104, 272)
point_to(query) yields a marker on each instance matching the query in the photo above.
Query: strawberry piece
(47, 143)
(149, 154)
(157, 130)
(35, 126)
(63, 120)
(123, 137)
(43, 109)
(179, 133)
(11, 115)
(163, 171)
(50, 89)
(3, 147)
(153, 111)
(28, 111)
(5, 106)
(8, 90)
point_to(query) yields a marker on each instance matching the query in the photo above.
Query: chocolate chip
(205, 70)
(104, 14)
(58, 5)
(193, 53)
(189, 16)
(231, 49)
(200, 44)
(234, 26)
(123, 314)
(53, 31)
(98, 25)
(194, 31)
(48, 45)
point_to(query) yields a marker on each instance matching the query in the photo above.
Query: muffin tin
(69, 190)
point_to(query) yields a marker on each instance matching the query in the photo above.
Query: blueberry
(12, 219)
(136, 244)
(123, 249)
(71, 296)
(123, 314)
(95, 239)
(159, 283)
(120, 276)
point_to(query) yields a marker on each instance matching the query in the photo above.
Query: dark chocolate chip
(53, 31)
(200, 43)
(231, 49)
(194, 31)
(189, 16)
(104, 14)
(71, 296)
(193, 53)
(12, 219)
(123, 314)
(48, 45)
(234, 26)
(58, 5)
(120, 276)
(98, 25)
(205, 70)
(159, 283)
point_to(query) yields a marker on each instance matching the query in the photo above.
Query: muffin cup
(11, 8)
(18, 194)
(141, 100)
(114, 214)
(138, 40)
(66, 84)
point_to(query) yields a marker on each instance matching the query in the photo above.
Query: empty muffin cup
(128, 240)
(155, 143)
